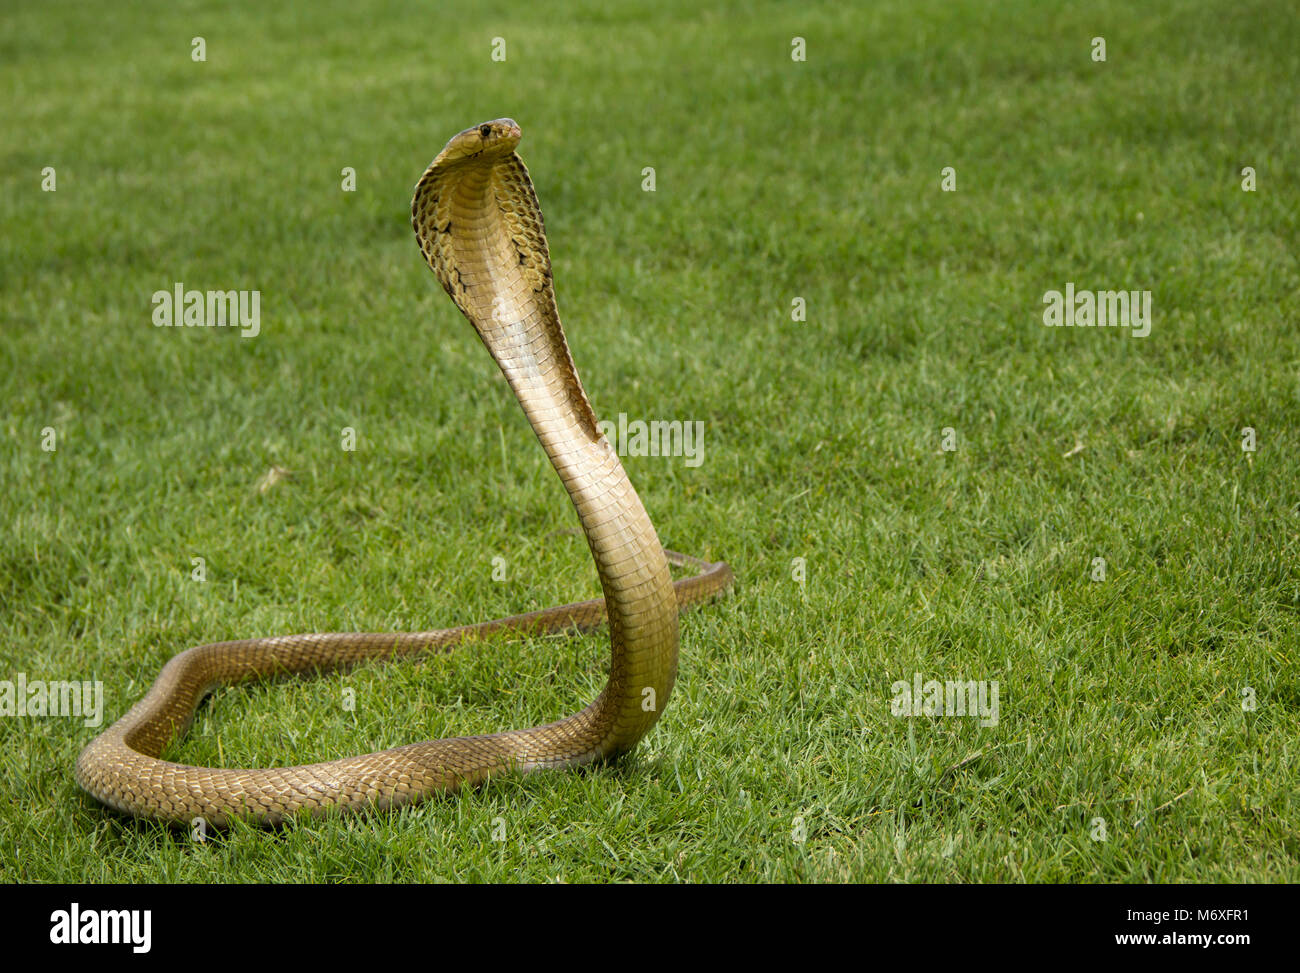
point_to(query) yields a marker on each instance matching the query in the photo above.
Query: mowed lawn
(914, 481)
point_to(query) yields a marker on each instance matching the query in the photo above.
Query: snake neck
(500, 277)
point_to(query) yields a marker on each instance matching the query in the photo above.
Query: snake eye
(485, 130)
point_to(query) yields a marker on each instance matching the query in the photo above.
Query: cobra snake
(479, 226)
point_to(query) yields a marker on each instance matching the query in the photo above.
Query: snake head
(485, 140)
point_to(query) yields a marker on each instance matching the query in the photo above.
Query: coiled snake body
(480, 228)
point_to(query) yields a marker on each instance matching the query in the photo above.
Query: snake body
(480, 228)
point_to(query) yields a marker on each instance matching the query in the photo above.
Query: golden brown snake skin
(480, 228)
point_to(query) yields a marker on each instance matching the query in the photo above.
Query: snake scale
(479, 226)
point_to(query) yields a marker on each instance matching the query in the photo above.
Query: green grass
(1120, 699)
